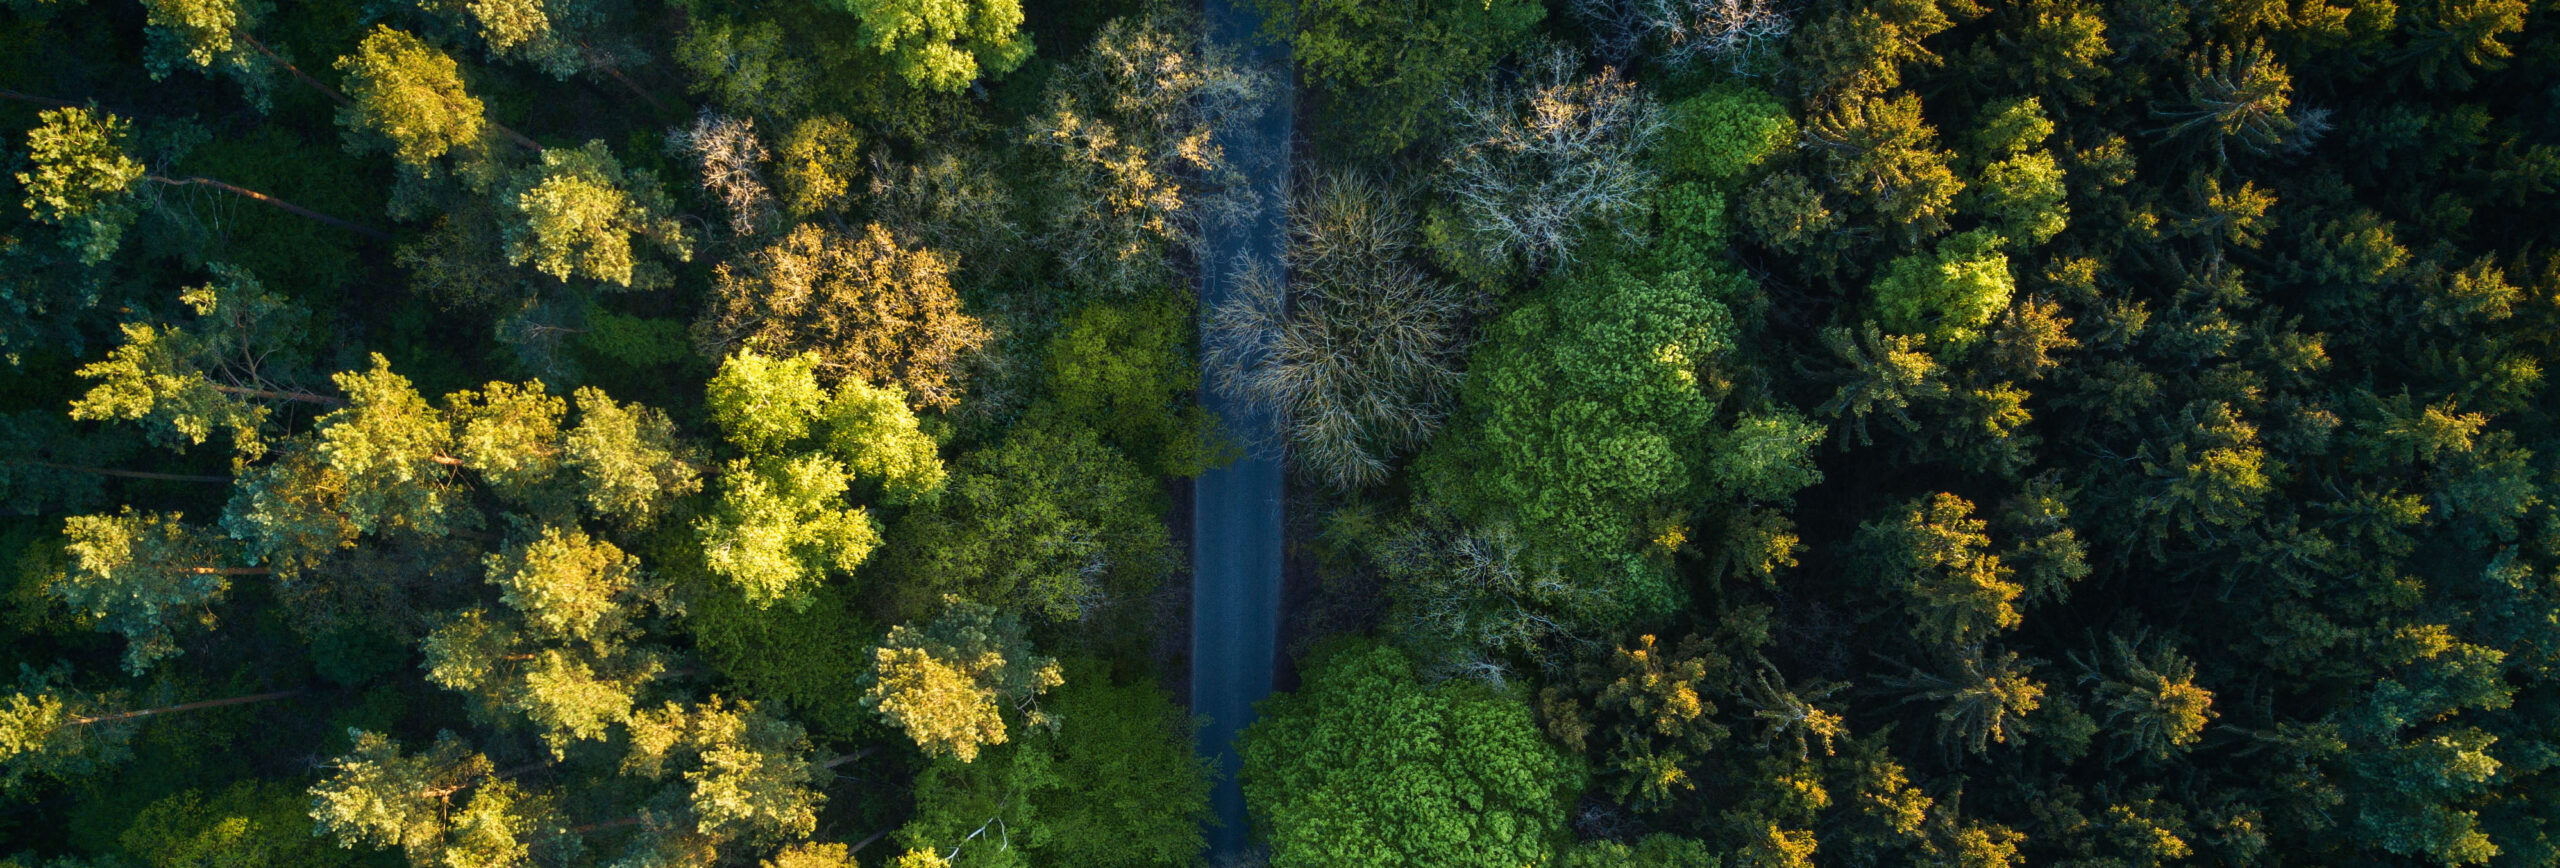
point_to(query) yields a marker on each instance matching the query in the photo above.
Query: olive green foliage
(147, 576)
(944, 44)
(742, 773)
(209, 35)
(1385, 70)
(1723, 133)
(966, 680)
(818, 163)
(560, 654)
(1050, 523)
(1364, 765)
(2020, 186)
(783, 521)
(82, 179)
(49, 731)
(1123, 371)
(1650, 851)
(250, 823)
(811, 660)
(1934, 556)
(442, 805)
(577, 214)
(223, 371)
(408, 98)
(1948, 295)
(630, 461)
(867, 307)
(1116, 784)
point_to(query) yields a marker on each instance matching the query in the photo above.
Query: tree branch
(271, 201)
(131, 474)
(190, 706)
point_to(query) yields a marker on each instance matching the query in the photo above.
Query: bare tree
(727, 151)
(1683, 33)
(1360, 360)
(1557, 153)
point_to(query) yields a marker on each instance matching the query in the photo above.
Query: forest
(686, 433)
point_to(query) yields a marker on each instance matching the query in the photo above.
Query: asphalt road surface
(1235, 557)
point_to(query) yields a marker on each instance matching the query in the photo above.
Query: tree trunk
(513, 136)
(227, 571)
(38, 100)
(189, 706)
(271, 201)
(609, 824)
(601, 61)
(325, 90)
(272, 395)
(129, 474)
(866, 842)
(856, 755)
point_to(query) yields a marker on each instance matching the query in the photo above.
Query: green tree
(2239, 95)
(1982, 698)
(1385, 70)
(2019, 187)
(226, 370)
(1049, 522)
(962, 682)
(943, 44)
(869, 308)
(82, 179)
(744, 774)
(1722, 134)
(146, 576)
(1365, 766)
(407, 98)
(1949, 295)
(783, 520)
(2149, 695)
(565, 653)
(52, 730)
(1648, 714)
(245, 825)
(1933, 556)
(447, 806)
(211, 35)
(1124, 371)
(1880, 153)
(578, 212)
(1117, 784)
(630, 463)
(1136, 127)
(1587, 412)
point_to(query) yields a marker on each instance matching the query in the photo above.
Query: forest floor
(1237, 509)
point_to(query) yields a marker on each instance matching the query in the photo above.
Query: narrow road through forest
(1235, 542)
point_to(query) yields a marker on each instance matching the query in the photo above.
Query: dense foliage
(1721, 432)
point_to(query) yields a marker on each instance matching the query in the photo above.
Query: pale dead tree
(1683, 33)
(726, 151)
(1555, 154)
(1356, 349)
(1136, 124)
